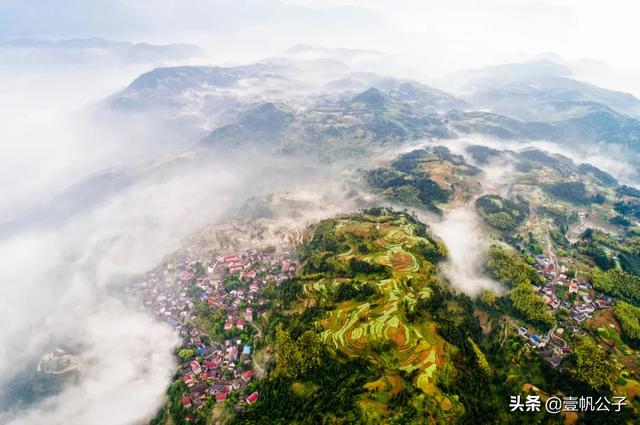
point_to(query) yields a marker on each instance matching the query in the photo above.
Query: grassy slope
(406, 354)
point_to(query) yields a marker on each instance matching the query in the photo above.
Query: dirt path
(258, 334)
(552, 257)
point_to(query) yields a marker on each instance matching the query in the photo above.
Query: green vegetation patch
(425, 178)
(629, 317)
(503, 214)
(410, 355)
(617, 283)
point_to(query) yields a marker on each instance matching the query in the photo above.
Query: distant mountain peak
(373, 98)
(267, 116)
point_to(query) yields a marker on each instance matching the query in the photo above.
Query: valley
(373, 307)
(309, 242)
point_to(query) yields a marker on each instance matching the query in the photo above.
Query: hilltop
(369, 292)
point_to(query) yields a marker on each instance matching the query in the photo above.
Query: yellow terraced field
(375, 329)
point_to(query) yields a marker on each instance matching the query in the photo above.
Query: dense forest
(310, 381)
(411, 179)
(503, 214)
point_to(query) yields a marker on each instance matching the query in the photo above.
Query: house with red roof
(252, 398)
(249, 275)
(221, 397)
(240, 324)
(195, 367)
(246, 377)
(186, 401)
(188, 379)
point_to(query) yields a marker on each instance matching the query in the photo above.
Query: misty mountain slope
(337, 110)
(421, 95)
(425, 178)
(200, 98)
(93, 49)
(81, 197)
(174, 86)
(577, 125)
(167, 85)
(333, 128)
(527, 99)
(263, 125)
(529, 90)
(588, 121)
(500, 126)
(516, 71)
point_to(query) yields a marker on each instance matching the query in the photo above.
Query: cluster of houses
(585, 310)
(253, 269)
(216, 367)
(215, 371)
(583, 306)
(536, 341)
(551, 346)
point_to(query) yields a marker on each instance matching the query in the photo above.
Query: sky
(442, 34)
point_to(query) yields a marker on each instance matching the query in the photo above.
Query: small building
(221, 397)
(573, 288)
(199, 391)
(188, 379)
(249, 275)
(231, 259)
(233, 354)
(537, 341)
(246, 377)
(186, 401)
(252, 398)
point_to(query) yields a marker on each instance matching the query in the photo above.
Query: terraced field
(409, 355)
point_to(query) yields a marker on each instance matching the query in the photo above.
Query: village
(572, 295)
(212, 302)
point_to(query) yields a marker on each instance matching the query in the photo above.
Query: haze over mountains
(324, 108)
(193, 142)
(25, 51)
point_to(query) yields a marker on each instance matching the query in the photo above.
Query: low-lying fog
(60, 279)
(460, 227)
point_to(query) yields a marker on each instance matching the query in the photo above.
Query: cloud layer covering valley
(94, 196)
(63, 279)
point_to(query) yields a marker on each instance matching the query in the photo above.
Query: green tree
(592, 365)
(530, 305)
(510, 268)
(480, 357)
(295, 357)
(629, 317)
(185, 354)
(488, 298)
(617, 283)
